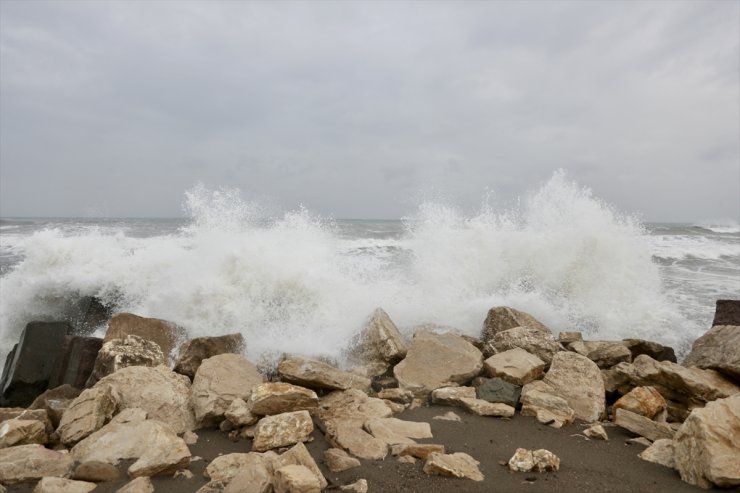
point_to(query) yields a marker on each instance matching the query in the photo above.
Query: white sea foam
(293, 283)
(725, 225)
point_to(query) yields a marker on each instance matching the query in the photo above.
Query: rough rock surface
(706, 446)
(534, 341)
(194, 351)
(653, 349)
(660, 452)
(121, 353)
(219, 380)
(61, 485)
(88, 413)
(295, 479)
(718, 349)
(162, 393)
(727, 312)
(452, 396)
(153, 445)
(540, 460)
(298, 455)
(279, 397)
(394, 430)
(640, 425)
(437, 360)
(239, 414)
(503, 318)
(32, 462)
(418, 450)
(337, 460)
(540, 400)
(379, 345)
(596, 432)
(282, 430)
(497, 390)
(166, 334)
(316, 374)
(15, 432)
(139, 485)
(645, 401)
(458, 465)
(515, 366)
(578, 380)
(604, 353)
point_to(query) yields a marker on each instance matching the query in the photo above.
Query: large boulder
(282, 430)
(76, 364)
(162, 393)
(503, 318)
(316, 374)
(29, 365)
(132, 350)
(92, 409)
(515, 366)
(437, 360)
(718, 349)
(727, 312)
(280, 397)
(153, 446)
(33, 462)
(604, 353)
(706, 445)
(534, 341)
(379, 345)
(221, 379)
(194, 351)
(166, 334)
(578, 380)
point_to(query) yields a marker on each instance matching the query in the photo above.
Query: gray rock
(77, 361)
(653, 349)
(498, 390)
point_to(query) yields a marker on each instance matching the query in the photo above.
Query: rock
(400, 396)
(256, 479)
(96, 471)
(29, 365)
(727, 312)
(418, 450)
(642, 441)
(485, 408)
(278, 397)
(239, 414)
(162, 393)
(282, 430)
(7, 413)
(298, 455)
(503, 318)
(88, 413)
(617, 381)
(452, 396)
(566, 338)
(139, 485)
(498, 390)
(130, 415)
(540, 400)
(61, 485)
(406, 459)
(641, 425)
(706, 446)
(534, 341)
(121, 353)
(359, 486)
(515, 366)
(578, 380)
(540, 460)
(316, 374)
(25, 463)
(718, 349)
(55, 402)
(194, 351)
(393, 430)
(76, 363)
(448, 416)
(212, 487)
(604, 353)
(656, 351)
(352, 438)
(382, 382)
(437, 360)
(165, 334)
(295, 479)
(379, 345)
(183, 474)
(337, 460)
(660, 452)
(645, 401)
(154, 447)
(16, 431)
(596, 432)
(219, 380)
(458, 465)
(225, 468)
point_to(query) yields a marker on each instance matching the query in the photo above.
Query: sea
(299, 282)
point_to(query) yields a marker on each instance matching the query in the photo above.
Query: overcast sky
(356, 109)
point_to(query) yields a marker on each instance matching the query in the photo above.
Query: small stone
(190, 437)
(540, 460)
(407, 459)
(485, 408)
(448, 416)
(638, 441)
(58, 485)
(183, 474)
(660, 452)
(418, 450)
(359, 486)
(596, 432)
(459, 465)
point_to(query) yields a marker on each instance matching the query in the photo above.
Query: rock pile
(138, 411)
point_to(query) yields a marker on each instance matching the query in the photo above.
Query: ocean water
(297, 282)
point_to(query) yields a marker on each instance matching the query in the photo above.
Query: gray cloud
(353, 108)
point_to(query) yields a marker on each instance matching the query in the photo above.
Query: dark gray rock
(497, 390)
(28, 369)
(656, 351)
(77, 361)
(727, 312)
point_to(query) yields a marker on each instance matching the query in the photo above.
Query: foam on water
(294, 283)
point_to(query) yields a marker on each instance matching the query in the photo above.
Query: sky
(361, 109)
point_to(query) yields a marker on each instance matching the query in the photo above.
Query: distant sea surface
(300, 283)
